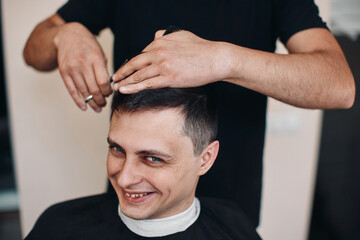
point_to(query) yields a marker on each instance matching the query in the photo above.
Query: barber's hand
(180, 59)
(82, 65)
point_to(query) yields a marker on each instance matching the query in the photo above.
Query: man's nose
(129, 174)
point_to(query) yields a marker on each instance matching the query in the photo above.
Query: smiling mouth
(133, 195)
(139, 197)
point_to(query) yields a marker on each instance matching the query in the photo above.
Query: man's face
(151, 164)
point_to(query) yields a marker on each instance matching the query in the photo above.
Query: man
(160, 142)
(234, 56)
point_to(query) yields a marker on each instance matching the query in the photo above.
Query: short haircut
(197, 106)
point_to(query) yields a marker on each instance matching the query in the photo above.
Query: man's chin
(136, 210)
(137, 214)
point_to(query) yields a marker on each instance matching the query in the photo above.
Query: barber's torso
(242, 22)
(237, 172)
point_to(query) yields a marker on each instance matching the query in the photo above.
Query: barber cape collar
(163, 226)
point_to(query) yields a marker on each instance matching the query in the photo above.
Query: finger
(150, 47)
(82, 88)
(159, 34)
(136, 63)
(152, 83)
(93, 87)
(156, 41)
(102, 78)
(154, 44)
(70, 86)
(143, 74)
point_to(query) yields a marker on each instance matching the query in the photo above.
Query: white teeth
(136, 195)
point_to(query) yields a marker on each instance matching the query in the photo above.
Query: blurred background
(50, 151)
(336, 206)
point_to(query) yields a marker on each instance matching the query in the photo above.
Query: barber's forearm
(320, 79)
(314, 75)
(40, 51)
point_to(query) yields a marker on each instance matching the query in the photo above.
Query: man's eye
(154, 159)
(117, 149)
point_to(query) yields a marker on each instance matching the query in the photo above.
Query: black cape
(96, 217)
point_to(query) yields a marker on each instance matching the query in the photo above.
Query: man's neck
(163, 226)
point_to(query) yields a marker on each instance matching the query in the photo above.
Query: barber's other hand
(82, 65)
(180, 59)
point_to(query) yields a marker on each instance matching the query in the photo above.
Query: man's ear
(208, 157)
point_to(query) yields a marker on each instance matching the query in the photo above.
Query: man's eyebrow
(113, 143)
(154, 153)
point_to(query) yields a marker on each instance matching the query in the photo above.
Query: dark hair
(196, 104)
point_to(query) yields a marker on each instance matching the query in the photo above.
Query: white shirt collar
(163, 226)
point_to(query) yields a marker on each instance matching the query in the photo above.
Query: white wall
(60, 152)
(290, 161)
(345, 18)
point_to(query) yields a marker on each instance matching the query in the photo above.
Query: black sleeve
(93, 14)
(292, 16)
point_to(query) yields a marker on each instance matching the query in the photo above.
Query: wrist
(227, 64)
(65, 31)
(57, 39)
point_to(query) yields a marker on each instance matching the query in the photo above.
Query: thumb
(159, 34)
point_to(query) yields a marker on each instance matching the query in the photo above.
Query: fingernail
(98, 110)
(116, 87)
(83, 108)
(113, 77)
(124, 89)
